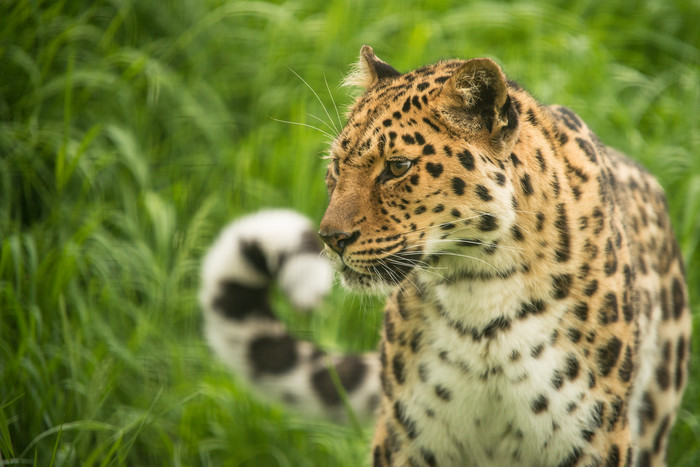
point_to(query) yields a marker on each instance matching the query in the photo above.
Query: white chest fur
(491, 380)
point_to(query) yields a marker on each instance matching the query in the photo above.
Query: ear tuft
(369, 70)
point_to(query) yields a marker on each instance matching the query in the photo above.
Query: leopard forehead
(395, 110)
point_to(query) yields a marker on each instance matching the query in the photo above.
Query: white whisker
(306, 125)
(317, 97)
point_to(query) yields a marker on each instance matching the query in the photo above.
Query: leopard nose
(338, 241)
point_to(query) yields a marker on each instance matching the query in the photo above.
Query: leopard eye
(399, 167)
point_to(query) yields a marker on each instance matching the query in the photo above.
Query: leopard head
(417, 179)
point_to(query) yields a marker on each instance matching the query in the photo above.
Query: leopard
(536, 313)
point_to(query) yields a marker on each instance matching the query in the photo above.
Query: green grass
(131, 131)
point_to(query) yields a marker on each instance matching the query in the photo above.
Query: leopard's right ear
(369, 70)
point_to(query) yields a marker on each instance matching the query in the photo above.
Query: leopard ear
(369, 70)
(476, 98)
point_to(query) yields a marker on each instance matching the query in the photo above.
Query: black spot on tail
(251, 251)
(273, 354)
(351, 371)
(238, 301)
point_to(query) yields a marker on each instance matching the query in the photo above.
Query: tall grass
(131, 131)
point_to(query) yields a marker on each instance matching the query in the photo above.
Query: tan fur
(539, 314)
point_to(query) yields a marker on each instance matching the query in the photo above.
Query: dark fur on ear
(476, 99)
(369, 70)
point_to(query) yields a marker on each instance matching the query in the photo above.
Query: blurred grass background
(131, 131)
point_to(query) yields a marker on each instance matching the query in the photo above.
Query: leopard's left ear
(476, 98)
(369, 70)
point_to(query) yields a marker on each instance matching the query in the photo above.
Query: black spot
(610, 265)
(663, 377)
(540, 221)
(487, 222)
(434, 169)
(406, 105)
(438, 209)
(406, 422)
(581, 311)
(428, 150)
(514, 159)
(526, 184)
(572, 367)
(591, 288)
(625, 371)
(414, 179)
(416, 341)
(663, 298)
(569, 118)
(432, 125)
(534, 307)
(661, 433)
(458, 186)
(399, 368)
(540, 160)
(389, 328)
(574, 335)
(607, 355)
(532, 118)
(680, 365)
(536, 351)
(678, 298)
(466, 159)
(561, 286)
(561, 223)
(420, 209)
(644, 459)
(597, 414)
(517, 234)
(273, 354)
(455, 213)
(387, 122)
(587, 435)
(408, 139)
(428, 457)
(557, 380)
(237, 301)
(616, 407)
(416, 102)
(397, 115)
(496, 325)
(422, 86)
(500, 178)
(377, 457)
(587, 148)
(608, 312)
(483, 193)
(540, 404)
(253, 254)
(351, 371)
(443, 393)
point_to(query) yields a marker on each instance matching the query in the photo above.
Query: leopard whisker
(318, 98)
(320, 120)
(306, 125)
(337, 113)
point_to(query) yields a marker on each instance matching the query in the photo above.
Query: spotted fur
(537, 310)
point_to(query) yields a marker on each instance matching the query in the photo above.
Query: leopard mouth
(378, 274)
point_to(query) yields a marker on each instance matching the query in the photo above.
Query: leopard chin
(376, 276)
